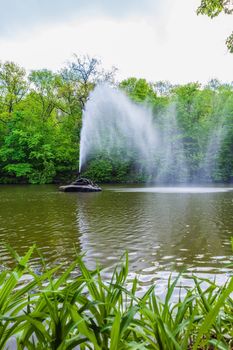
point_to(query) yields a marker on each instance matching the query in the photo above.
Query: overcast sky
(153, 39)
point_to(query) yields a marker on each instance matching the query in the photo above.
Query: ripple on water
(163, 229)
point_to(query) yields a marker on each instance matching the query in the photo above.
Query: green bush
(99, 170)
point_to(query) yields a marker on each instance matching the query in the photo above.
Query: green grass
(88, 312)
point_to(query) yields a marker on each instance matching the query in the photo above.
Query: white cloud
(17, 16)
(176, 45)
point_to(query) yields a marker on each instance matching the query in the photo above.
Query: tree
(162, 88)
(213, 84)
(138, 89)
(213, 8)
(83, 73)
(45, 91)
(13, 86)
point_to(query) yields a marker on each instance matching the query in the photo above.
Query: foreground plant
(89, 312)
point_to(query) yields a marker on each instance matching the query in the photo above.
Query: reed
(89, 312)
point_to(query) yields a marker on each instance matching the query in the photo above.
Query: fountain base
(81, 185)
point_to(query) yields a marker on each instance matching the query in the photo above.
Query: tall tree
(13, 86)
(83, 73)
(45, 90)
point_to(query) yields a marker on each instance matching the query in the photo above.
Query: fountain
(116, 128)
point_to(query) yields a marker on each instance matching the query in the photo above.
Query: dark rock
(81, 185)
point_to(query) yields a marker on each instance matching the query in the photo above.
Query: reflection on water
(41, 215)
(180, 189)
(163, 229)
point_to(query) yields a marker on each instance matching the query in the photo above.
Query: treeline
(41, 119)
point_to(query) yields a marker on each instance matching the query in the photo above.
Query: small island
(81, 185)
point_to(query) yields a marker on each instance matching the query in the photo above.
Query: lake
(164, 229)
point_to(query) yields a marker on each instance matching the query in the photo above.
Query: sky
(151, 39)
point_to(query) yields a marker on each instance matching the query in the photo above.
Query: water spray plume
(116, 128)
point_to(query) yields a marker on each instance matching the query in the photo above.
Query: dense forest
(41, 119)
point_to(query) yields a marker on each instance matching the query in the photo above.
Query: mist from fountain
(115, 127)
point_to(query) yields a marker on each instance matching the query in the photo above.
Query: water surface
(164, 229)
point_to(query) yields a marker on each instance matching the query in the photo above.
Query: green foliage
(99, 170)
(110, 170)
(40, 126)
(138, 89)
(41, 119)
(19, 170)
(213, 8)
(90, 312)
(203, 117)
(229, 43)
(13, 86)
